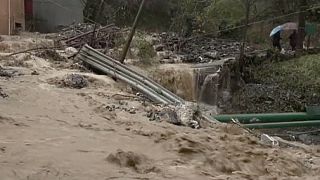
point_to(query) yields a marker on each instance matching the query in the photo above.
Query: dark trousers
(277, 44)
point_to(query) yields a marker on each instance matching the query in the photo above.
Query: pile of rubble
(200, 49)
(99, 37)
(3, 94)
(73, 81)
(6, 72)
(75, 29)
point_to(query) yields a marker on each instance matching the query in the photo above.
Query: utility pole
(133, 30)
(302, 23)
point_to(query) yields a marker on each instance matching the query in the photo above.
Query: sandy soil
(49, 133)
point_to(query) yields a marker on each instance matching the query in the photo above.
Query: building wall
(16, 18)
(4, 17)
(49, 15)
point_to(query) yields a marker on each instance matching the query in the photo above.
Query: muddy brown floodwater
(54, 132)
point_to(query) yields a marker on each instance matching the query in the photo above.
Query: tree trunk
(242, 50)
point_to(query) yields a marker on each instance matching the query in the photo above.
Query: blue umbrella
(275, 30)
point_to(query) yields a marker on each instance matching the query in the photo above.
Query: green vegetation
(300, 75)
(146, 52)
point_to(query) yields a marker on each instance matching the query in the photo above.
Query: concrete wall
(17, 16)
(50, 14)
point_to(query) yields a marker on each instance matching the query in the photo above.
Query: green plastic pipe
(267, 118)
(283, 124)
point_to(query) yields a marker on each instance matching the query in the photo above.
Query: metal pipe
(117, 73)
(133, 30)
(144, 80)
(125, 79)
(155, 86)
(283, 124)
(267, 118)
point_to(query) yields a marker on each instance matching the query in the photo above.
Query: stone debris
(76, 81)
(182, 115)
(35, 73)
(75, 29)
(3, 94)
(78, 35)
(197, 49)
(5, 72)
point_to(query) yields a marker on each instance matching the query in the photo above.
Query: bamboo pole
(133, 30)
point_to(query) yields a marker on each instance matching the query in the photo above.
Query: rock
(35, 73)
(159, 47)
(132, 111)
(2, 94)
(7, 72)
(167, 61)
(111, 108)
(212, 55)
(70, 51)
(76, 81)
(163, 54)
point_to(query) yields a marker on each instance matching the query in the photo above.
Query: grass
(302, 74)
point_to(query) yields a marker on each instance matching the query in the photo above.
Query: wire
(317, 6)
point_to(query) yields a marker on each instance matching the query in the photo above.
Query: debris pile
(187, 114)
(52, 55)
(4, 72)
(3, 94)
(75, 81)
(99, 37)
(75, 29)
(200, 49)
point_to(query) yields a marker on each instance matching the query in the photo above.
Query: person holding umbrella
(293, 40)
(276, 37)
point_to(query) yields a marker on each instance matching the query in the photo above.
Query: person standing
(276, 38)
(293, 40)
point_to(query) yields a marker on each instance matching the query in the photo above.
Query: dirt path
(50, 133)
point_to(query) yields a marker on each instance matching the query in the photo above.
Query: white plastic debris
(269, 140)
